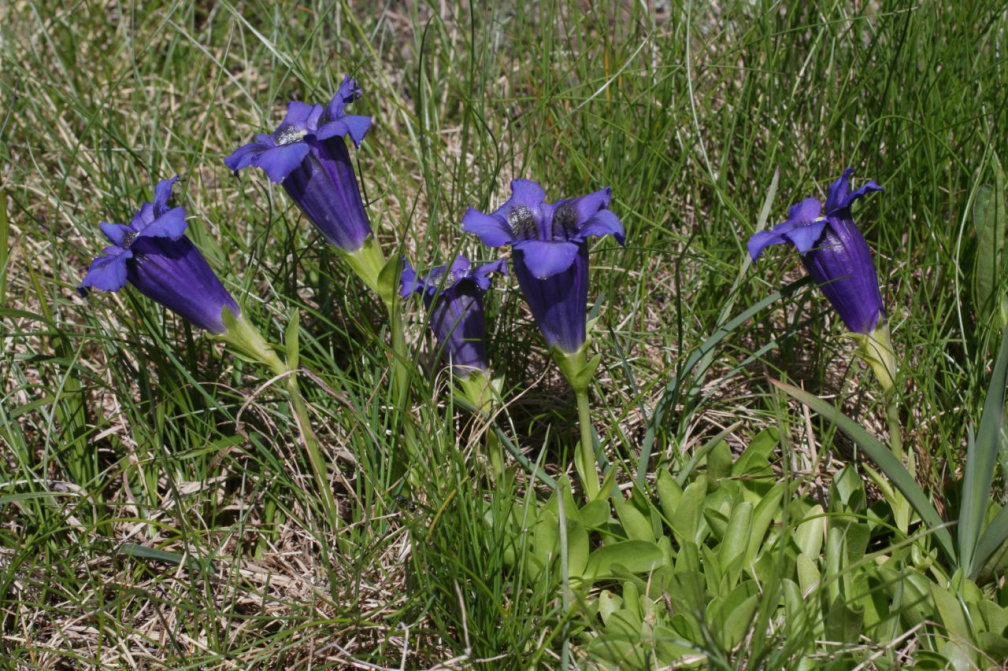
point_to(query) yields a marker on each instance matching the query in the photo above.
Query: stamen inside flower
(523, 224)
(289, 135)
(564, 222)
(128, 237)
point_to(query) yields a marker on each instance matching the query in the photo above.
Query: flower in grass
(550, 253)
(153, 254)
(834, 252)
(308, 157)
(453, 297)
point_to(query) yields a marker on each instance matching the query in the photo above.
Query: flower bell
(837, 257)
(153, 254)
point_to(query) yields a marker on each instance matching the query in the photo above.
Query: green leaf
(991, 223)
(981, 458)
(690, 508)
(595, 514)
(669, 493)
(719, 462)
(951, 611)
(808, 573)
(731, 552)
(843, 623)
(635, 556)
(608, 603)
(738, 611)
(635, 524)
(808, 535)
(578, 548)
(291, 340)
(886, 462)
(765, 512)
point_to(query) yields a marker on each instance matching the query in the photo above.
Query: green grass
(155, 508)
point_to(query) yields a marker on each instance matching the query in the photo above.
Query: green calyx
(246, 342)
(576, 367)
(381, 276)
(876, 350)
(480, 390)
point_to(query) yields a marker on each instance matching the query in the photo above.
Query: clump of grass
(155, 508)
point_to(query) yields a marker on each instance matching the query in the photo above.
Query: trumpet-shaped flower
(308, 157)
(153, 254)
(834, 252)
(550, 253)
(453, 297)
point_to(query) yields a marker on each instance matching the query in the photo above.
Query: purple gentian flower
(308, 156)
(153, 254)
(550, 253)
(454, 300)
(834, 251)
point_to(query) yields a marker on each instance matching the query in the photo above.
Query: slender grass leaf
(981, 458)
(992, 538)
(886, 462)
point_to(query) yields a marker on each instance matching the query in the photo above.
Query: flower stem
(584, 458)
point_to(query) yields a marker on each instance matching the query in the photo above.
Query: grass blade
(981, 457)
(886, 462)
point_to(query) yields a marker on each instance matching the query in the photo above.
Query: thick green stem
(584, 458)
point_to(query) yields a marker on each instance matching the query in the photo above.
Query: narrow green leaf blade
(981, 458)
(886, 462)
